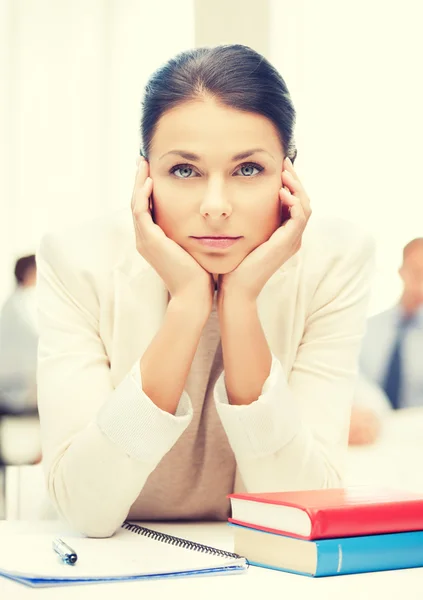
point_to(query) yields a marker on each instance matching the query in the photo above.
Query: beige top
(192, 480)
(110, 453)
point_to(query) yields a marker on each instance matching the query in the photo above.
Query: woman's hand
(365, 426)
(181, 273)
(249, 278)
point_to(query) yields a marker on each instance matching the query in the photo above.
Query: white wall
(70, 109)
(75, 70)
(232, 22)
(354, 71)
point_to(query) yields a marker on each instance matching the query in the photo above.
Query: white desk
(395, 460)
(254, 584)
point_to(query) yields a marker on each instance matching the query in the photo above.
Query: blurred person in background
(19, 340)
(391, 360)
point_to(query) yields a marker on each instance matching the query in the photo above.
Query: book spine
(341, 556)
(361, 520)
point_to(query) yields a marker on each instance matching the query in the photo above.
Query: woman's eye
(183, 171)
(249, 170)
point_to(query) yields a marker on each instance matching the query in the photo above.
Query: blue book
(335, 556)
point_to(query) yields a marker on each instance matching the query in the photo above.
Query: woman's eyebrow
(248, 153)
(183, 154)
(240, 156)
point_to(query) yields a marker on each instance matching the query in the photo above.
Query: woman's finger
(298, 216)
(142, 200)
(140, 178)
(287, 165)
(294, 185)
(286, 240)
(298, 213)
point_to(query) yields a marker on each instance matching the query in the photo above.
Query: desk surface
(394, 460)
(256, 582)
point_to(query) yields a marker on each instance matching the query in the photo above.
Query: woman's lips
(213, 242)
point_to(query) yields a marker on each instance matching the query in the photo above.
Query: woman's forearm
(166, 363)
(247, 358)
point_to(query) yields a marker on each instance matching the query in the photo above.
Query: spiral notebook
(133, 552)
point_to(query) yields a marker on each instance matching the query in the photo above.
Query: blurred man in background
(19, 341)
(391, 360)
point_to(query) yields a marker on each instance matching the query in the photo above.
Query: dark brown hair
(22, 266)
(235, 75)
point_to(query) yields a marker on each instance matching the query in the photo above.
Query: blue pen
(66, 553)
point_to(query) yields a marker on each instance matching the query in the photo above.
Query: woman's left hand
(257, 267)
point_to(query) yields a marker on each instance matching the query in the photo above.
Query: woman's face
(216, 172)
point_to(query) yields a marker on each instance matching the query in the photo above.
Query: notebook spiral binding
(177, 541)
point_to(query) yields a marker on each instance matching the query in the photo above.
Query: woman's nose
(215, 204)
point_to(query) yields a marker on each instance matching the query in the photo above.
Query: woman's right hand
(182, 274)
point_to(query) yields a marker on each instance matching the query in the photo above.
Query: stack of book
(330, 532)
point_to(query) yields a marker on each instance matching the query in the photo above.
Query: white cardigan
(100, 305)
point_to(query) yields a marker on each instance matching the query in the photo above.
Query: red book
(319, 514)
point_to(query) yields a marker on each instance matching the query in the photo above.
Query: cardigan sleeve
(99, 443)
(295, 435)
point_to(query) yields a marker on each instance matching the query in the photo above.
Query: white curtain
(72, 74)
(354, 71)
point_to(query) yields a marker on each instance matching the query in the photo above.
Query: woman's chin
(219, 265)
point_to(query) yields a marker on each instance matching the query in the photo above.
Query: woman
(175, 367)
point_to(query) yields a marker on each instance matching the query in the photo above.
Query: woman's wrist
(194, 307)
(231, 298)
